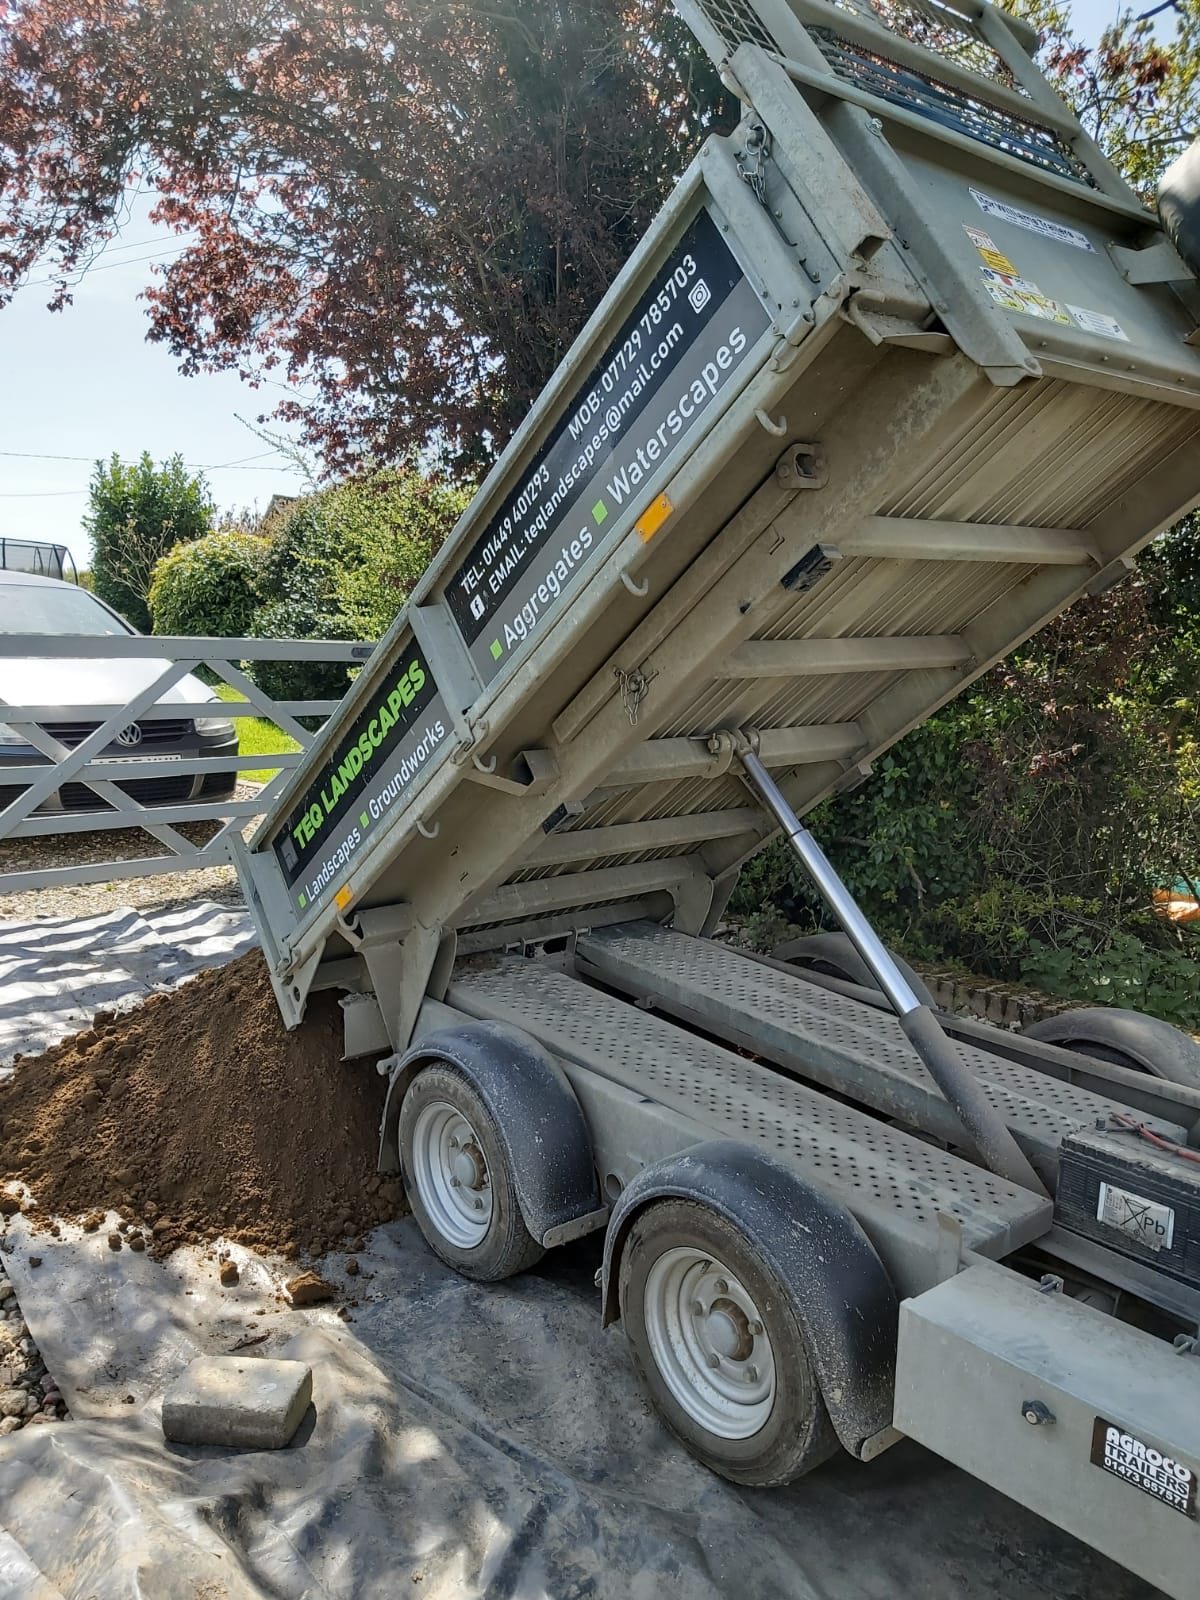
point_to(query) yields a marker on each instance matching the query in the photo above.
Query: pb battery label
(659, 379)
(371, 770)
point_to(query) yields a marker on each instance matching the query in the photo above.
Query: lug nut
(755, 1327)
(752, 1373)
(713, 1359)
(697, 1308)
(454, 1183)
(721, 1286)
(478, 1204)
(453, 1141)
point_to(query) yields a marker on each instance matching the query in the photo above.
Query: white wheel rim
(709, 1343)
(451, 1175)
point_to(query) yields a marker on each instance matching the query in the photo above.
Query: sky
(84, 383)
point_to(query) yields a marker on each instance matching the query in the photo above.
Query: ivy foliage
(341, 563)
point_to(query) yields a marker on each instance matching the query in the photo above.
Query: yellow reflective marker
(343, 897)
(652, 519)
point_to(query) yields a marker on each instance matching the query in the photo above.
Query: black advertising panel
(370, 772)
(659, 380)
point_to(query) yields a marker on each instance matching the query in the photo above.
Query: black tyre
(1124, 1039)
(835, 956)
(457, 1178)
(718, 1348)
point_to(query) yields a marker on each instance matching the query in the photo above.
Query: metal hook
(426, 831)
(488, 766)
(777, 428)
(641, 590)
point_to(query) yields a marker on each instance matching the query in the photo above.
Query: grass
(257, 737)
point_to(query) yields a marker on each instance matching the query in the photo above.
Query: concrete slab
(252, 1403)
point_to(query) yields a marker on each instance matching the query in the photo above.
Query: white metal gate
(73, 773)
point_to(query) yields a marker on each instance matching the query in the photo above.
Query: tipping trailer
(901, 369)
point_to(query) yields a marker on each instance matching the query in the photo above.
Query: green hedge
(212, 587)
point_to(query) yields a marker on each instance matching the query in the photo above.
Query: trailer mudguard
(840, 1292)
(1179, 204)
(538, 1118)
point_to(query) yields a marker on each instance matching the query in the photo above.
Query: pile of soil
(200, 1116)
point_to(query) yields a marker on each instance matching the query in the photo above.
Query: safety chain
(633, 690)
(752, 162)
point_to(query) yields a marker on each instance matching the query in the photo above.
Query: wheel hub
(468, 1166)
(709, 1343)
(726, 1329)
(450, 1173)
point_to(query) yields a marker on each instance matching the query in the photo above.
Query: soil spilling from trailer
(198, 1116)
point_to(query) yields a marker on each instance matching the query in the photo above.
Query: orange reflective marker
(343, 897)
(652, 519)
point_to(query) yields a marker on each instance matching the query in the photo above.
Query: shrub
(341, 563)
(136, 514)
(211, 587)
(1023, 831)
(295, 617)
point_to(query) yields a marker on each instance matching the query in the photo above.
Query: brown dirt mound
(199, 1115)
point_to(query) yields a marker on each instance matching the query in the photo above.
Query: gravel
(28, 1394)
(160, 891)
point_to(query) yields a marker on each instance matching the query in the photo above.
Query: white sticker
(1151, 1224)
(1097, 322)
(1031, 222)
(1135, 1462)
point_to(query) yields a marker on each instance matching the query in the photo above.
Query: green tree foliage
(136, 513)
(211, 587)
(341, 563)
(406, 209)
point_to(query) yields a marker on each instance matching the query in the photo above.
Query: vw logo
(130, 736)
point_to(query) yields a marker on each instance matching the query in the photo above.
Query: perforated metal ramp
(848, 1046)
(894, 1184)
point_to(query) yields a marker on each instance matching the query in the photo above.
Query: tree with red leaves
(405, 209)
(1137, 90)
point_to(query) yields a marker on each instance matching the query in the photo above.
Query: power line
(87, 272)
(240, 465)
(42, 494)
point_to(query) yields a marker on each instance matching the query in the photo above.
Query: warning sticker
(1098, 322)
(1031, 222)
(985, 244)
(1147, 1469)
(1018, 294)
(1132, 1214)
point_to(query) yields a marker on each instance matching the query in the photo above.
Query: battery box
(1140, 1201)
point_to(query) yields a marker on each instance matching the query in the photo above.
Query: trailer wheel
(718, 1348)
(835, 956)
(457, 1178)
(1124, 1039)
